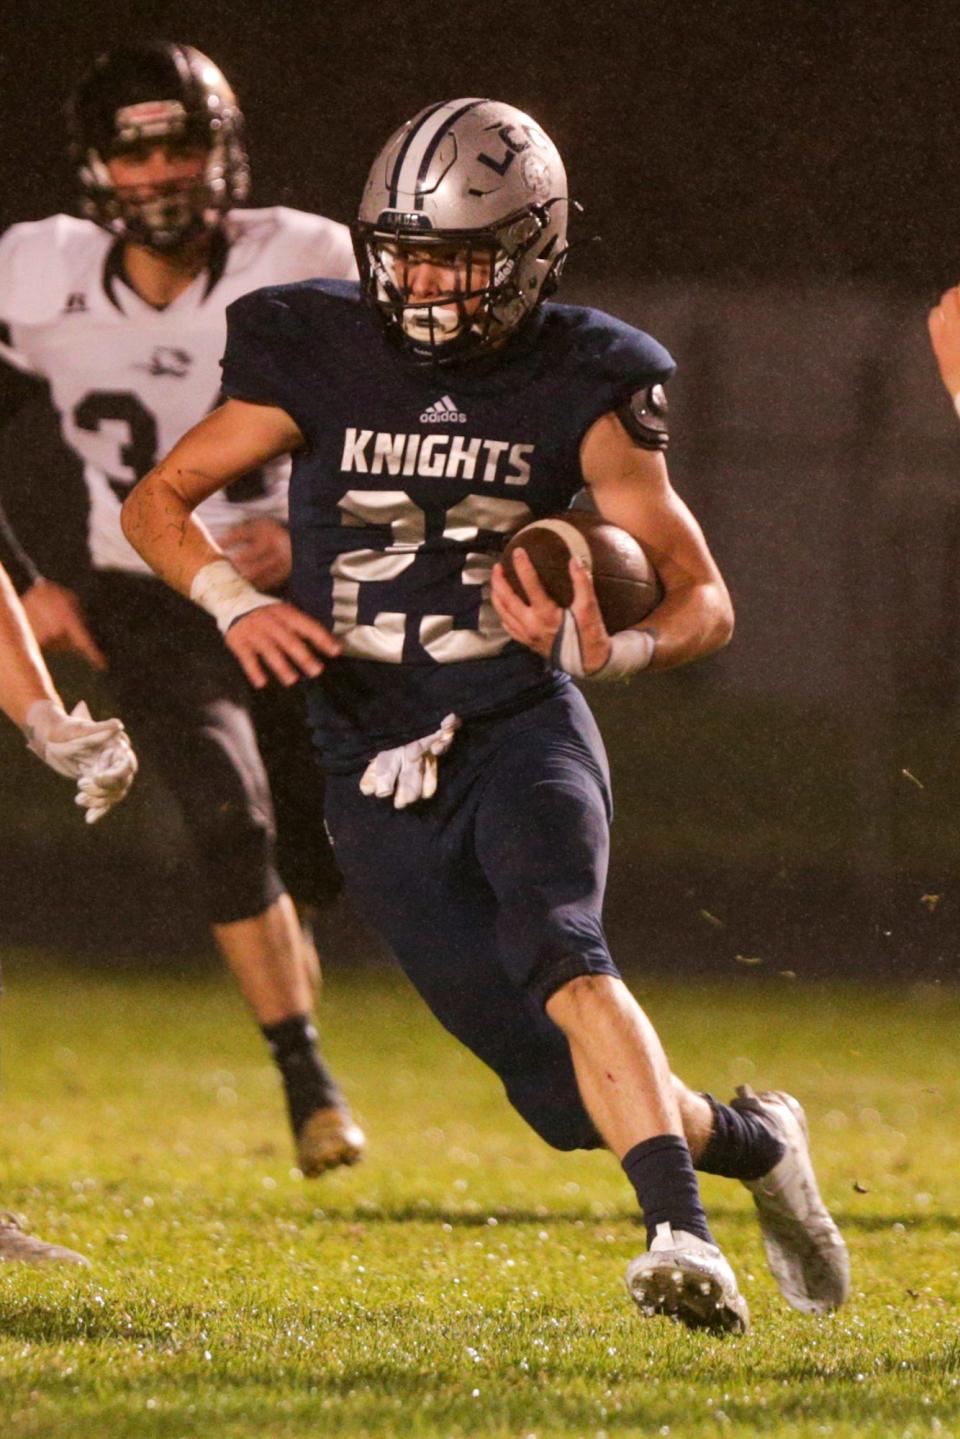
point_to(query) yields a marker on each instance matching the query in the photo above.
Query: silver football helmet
(476, 190)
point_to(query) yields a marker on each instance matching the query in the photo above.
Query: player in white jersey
(121, 314)
(128, 377)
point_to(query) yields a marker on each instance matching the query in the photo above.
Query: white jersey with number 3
(127, 379)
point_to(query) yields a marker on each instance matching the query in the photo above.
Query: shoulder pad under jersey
(287, 245)
(41, 261)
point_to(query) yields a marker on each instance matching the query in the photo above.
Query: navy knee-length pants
(490, 894)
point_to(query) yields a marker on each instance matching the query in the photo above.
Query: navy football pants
(490, 894)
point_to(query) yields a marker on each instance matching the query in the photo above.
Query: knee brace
(238, 878)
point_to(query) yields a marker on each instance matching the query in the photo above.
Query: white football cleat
(16, 1246)
(805, 1250)
(687, 1279)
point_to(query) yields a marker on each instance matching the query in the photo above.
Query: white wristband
(630, 652)
(956, 403)
(220, 589)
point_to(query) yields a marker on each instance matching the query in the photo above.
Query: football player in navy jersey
(120, 314)
(432, 412)
(97, 755)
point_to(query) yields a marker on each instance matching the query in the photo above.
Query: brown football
(625, 581)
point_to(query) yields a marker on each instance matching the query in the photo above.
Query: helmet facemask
(168, 216)
(434, 321)
(158, 94)
(486, 303)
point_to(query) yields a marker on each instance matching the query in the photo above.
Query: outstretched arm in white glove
(96, 753)
(106, 781)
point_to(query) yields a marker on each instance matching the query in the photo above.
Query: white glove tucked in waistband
(409, 772)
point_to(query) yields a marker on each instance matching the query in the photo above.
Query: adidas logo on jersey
(76, 303)
(443, 412)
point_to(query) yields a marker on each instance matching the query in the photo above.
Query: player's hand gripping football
(280, 640)
(944, 325)
(96, 753)
(260, 549)
(539, 623)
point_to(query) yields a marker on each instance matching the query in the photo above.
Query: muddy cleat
(328, 1139)
(805, 1250)
(687, 1279)
(19, 1247)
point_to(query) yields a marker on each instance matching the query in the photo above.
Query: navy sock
(661, 1172)
(307, 1081)
(741, 1144)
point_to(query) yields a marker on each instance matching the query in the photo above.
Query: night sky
(732, 140)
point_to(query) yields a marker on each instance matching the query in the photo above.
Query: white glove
(96, 753)
(68, 743)
(108, 778)
(409, 772)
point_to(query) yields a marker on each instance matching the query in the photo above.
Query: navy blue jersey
(409, 485)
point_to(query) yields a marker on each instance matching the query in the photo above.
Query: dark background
(774, 191)
(759, 140)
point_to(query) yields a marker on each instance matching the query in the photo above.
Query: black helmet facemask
(137, 96)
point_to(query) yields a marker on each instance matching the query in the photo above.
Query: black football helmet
(136, 95)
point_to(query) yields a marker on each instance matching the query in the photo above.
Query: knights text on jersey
(409, 485)
(129, 380)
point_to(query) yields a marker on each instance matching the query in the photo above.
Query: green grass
(466, 1280)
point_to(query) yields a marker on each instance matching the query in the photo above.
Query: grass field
(465, 1280)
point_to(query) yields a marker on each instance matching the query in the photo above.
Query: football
(626, 583)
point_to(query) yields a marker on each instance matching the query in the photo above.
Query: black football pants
(188, 708)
